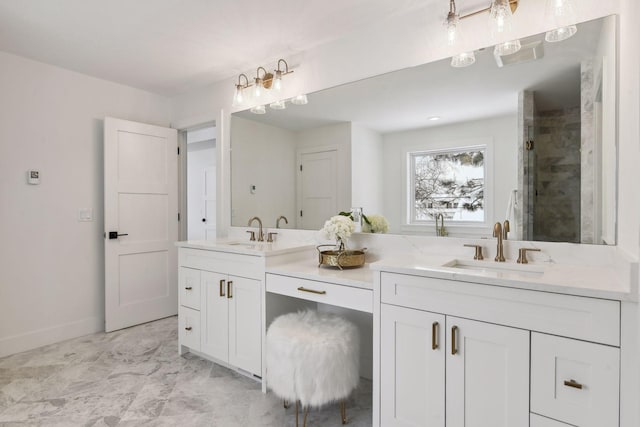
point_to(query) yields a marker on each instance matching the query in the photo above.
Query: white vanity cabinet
(486, 368)
(457, 354)
(220, 312)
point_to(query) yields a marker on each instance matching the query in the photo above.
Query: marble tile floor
(135, 377)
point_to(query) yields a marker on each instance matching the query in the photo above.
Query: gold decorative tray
(342, 259)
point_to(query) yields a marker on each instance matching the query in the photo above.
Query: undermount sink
(483, 267)
(245, 244)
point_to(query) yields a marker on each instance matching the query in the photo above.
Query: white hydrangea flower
(338, 228)
(379, 224)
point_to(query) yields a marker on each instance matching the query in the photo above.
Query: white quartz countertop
(581, 280)
(245, 247)
(361, 277)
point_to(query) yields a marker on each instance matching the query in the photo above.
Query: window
(448, 182)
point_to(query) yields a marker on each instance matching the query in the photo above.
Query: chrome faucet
(260, 233)
(278, 220)
(440, 230)
(497, 232)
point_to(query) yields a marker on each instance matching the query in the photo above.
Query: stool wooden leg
(343, 411)
(304, 420)
(296, 413)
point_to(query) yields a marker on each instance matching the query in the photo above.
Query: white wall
(366, 169)
(338, 136)
(51, 265)
(267, 160)
(500, 132)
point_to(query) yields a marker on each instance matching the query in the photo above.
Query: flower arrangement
(338, 228)
(375, 224)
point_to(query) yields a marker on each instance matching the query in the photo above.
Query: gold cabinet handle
(188, 328)
(454, 333)
(434, 335)
(574, 384)
(313, 291)
(222, 294)
(229, 283)
(188, 288)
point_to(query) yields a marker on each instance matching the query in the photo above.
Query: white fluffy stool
(312, 358)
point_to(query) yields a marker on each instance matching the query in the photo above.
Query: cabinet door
(487, 374)
(245, 319)
(214, 316)
(411, 369)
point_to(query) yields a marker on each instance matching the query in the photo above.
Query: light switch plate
(85, 214)
(33, 177)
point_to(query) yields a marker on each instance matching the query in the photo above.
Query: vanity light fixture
(501, 13)
(263, 83)
(563, 16)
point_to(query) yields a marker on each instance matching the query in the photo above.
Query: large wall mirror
(530, 137)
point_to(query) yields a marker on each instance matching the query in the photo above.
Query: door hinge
(178, 151)
(528, 145)
(300, 168)
(300, 213)
(178, 216)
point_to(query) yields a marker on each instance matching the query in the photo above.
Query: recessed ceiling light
(434, 118)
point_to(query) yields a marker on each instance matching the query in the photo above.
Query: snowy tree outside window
(448, 182)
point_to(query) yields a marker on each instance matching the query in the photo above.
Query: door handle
(204, 219)
(189, 288)
(222, 294)
(574, 384)
(434, 335)
(115, 235)
(229, 283)
(454, 334)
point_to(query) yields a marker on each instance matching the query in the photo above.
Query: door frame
(182, 174)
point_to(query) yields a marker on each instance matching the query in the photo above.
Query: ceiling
(170, 46)
(405, 99)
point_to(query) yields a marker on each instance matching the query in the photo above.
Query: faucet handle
(270, 236)
(522, 255)
(253, 235)
(478, 254)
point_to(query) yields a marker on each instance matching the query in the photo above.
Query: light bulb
(463, 59)
(277, 82)
(507, 48)
(258, 109)
(560, 34)
(501, 17)
(238, 98)
(258, 88)
(559, 9)
(300, 100)
(278, 105)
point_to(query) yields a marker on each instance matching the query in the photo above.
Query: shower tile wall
(557, 181)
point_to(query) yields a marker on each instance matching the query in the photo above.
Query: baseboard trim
(27, 341)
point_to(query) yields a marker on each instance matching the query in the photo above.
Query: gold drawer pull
(313, 291)
(222, 294)
(229, 283)
(454, 349)
(188, 328)
(188, 288)
(574, 384)
(434, 335)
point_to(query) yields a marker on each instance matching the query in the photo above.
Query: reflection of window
(447, 182)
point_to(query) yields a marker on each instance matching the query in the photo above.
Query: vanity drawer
(574, 381)
(538, 421)
(189, 327)
(249, 266)
(189, 287)
(323, 292)
(588, 319)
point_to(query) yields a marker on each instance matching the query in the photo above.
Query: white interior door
(318, 188)
(141, 222)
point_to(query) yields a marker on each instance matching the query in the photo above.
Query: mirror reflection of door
(318, 191)
(201, 184)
